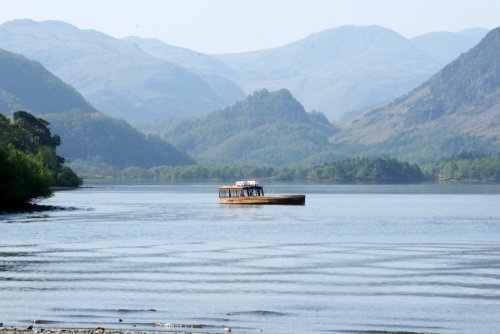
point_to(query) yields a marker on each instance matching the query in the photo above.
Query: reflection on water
(378, 258)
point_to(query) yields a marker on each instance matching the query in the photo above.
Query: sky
(225, 26)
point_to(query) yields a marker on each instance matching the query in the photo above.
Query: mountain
(460, 102)
(115, 75)
(445, 46)
(26, 85)
(86, 133)
(337, 70)
(193, 60)
(266, 128)
(100, 138)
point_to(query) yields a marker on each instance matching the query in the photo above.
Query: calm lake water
(355, 258)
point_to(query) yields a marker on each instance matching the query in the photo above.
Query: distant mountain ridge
(267, 128)
(116, 76)
(341, 69)
(334, 71)
(193, 60)
(337, 70)
(85, 132)
(445, 46)
(462, 100)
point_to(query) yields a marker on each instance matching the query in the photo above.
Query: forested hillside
(265, 128)
(100, 138)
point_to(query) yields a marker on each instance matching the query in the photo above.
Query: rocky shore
(31, 330)
(27, 208)
(99, 330)
(31, 208)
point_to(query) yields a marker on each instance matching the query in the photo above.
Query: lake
(355, 258)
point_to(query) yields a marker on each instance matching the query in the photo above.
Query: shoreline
(100, 330)
(33, 208)
(31, 330)
(28, 208)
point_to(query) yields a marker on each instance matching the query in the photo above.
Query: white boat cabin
(242, 189)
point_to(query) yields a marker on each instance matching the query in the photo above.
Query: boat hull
(281, 200)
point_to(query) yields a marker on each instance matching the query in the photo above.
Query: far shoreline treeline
(30, 169)
(463, 167)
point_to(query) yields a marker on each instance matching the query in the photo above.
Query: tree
(34, 132)
(23, 177)
(29, 165)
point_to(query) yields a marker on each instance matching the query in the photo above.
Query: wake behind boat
(250, 192)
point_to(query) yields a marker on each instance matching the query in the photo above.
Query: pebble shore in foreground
(31, 330)
(99, 330)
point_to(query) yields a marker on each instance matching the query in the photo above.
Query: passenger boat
(249, 192)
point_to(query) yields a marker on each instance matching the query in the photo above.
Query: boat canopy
(242, 189)
(246, 183)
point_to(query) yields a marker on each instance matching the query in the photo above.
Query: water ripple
(136, 257)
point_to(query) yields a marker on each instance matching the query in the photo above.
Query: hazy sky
(220, 26)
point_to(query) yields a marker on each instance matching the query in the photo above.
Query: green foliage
(270, 128)
(359, 169)
(23, 177)
(368, 169)
(7, 131)
(422, 148)
(32, 133)
(351, 170)
(28, 160)
(66, 177)
(465, 167)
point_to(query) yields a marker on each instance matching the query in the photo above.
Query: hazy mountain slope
(337, 70)
(97, 137)
(178, 55)
(85, 132)
(117, 76)
(265, 128)
(333, 71)
(27, 85)
(446, 46)
(443, 46)
(463, 99)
